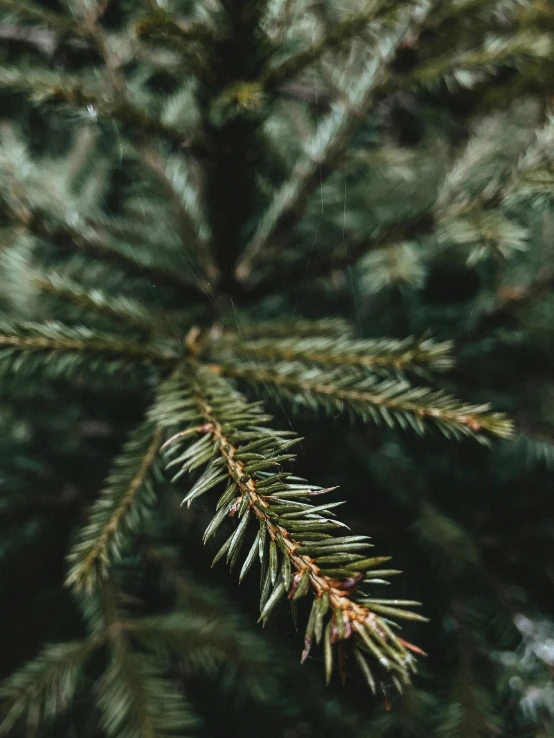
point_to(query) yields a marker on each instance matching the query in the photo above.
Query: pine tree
(195, 200)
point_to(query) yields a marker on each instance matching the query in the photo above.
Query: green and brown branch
(178, 34)
(410, 354)
(117, 512)
(21, 340)
(291, 526)
(394, 402)
(38, 14)
(247, 330)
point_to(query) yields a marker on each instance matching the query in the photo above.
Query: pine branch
(212, 644)
(118, 511)
(137, 701)
(329, 141)
(34, 12)
(394, 402)
(533, 446)
(83, 236)
(462, 214)
(465, 189)
(470, 712)
(382, 354)
(343, 32)
(195, 231)
(204, 632)
(346, 254)
(293, 539)
(469, 67)
(177, 34)
(280, 329)
(139, 126)
(45, 686)
(119, 309)
(57, 350)
(63, 90)
(135, 698)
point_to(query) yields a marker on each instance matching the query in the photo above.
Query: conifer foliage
(154, 251)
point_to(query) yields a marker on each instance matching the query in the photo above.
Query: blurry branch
(119, 309)
(194, 230)
(345, 255)
(136, 698)
(117, 511)
(86, 238)
(449, 10)
(64, 89)
(203, 628)
(180, 35)
(328, 142)
(343, 32)
(452, 201)
(45, 686)
(247, 330)
(42, 38)
(513, 296)
(497, 52)
(57, 89)
(39, 14)
(186, 215)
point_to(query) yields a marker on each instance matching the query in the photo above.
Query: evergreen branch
(44, 687)
(137, 701)
(59, 350)
(180, 35)
(117, 512)
(88, 239)
(457, 208)
(34, 12)
(496, 53)
(394, 402)
(293, 541)
(343, 32)
(204, 631)
(376, 354)
(172, 175)
(280, 329)
(208, 642)
(120, 309)
(347, 254)
(46, 87)
(457, 199)
(195, 230)
(449, 11)
(135, 698)
(118, 106)
(329, 141)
